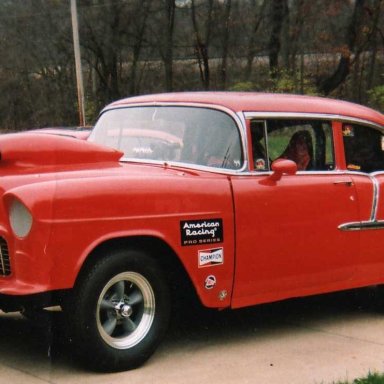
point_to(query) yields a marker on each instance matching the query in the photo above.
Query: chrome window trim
(337, 172)
(237, 117)
(261, 117)
(185, 166)
(240, 120)
(312, 116)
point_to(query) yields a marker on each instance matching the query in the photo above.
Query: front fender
(72, 217)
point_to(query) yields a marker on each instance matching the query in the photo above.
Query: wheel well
(178, 279)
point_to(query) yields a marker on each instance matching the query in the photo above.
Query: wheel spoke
(135, 298)
(110, 325)
(119, 289)
(106, 304)
(129, 325)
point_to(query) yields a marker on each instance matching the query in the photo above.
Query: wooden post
(79, 74)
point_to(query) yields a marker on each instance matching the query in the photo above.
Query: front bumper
(9, 303)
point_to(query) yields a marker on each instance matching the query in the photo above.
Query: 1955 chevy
(248, 197)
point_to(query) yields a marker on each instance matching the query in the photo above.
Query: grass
(372, 378)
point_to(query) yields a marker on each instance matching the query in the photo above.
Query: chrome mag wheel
(125, 310)
(119, 310)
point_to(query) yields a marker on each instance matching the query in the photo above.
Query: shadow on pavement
(26, 344)
(266, 320)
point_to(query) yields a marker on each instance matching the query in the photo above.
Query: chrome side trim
(372, 223)
(375, 199)
(362, 225)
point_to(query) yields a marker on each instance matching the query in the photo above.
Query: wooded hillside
(129, 47)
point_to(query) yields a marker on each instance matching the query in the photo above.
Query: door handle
(343, 182)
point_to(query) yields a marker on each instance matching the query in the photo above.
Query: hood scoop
(29, 149)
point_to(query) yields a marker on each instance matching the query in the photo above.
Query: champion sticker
(210, 282)
(211, 257)
(195, 232)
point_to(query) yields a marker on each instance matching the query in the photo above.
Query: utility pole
(79, 73)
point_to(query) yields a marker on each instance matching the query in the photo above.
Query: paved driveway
(312, 340)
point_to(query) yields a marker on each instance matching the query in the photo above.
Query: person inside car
(299, 150)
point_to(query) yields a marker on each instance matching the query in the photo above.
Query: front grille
(5, 265)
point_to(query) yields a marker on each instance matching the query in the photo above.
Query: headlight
(20, 218)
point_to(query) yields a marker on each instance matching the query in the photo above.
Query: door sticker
(210, 282)
(195, 232)
(211, 257)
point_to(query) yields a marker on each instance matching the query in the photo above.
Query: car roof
(262, 102)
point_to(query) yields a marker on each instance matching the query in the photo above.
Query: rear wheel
(120, 311)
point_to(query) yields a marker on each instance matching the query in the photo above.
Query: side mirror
(282, 167)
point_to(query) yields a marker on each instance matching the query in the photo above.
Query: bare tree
(170, 9)
(279, 11)
(225, 46)
(258, 15)
(202, 41)
(130, 47)
(36, 76)
(350, 48)
(103, 36)
(375, 13)
(142, 13)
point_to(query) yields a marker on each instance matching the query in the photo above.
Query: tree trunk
(137, 46)
(251, 51)
(343, 69)
(224, 61)
(168, 56)
(374, 47)
(278, 13)
(201, 45)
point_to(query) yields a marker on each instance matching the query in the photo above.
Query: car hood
(31, 150)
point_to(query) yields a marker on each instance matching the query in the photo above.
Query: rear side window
(364, 148)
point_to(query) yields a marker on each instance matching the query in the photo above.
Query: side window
(307, 142)
(363, 148)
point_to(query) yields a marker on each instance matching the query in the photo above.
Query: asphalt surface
(313, 340)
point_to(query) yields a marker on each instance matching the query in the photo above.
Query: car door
(288, 239)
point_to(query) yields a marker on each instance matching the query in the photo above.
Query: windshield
(189, 135)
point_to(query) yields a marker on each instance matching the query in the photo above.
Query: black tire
(120, 311)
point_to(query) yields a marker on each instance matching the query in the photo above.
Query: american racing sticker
(211, 257)
(195, 232)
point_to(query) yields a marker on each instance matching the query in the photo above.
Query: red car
(251, 198)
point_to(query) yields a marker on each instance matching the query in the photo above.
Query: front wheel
(120, 311)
